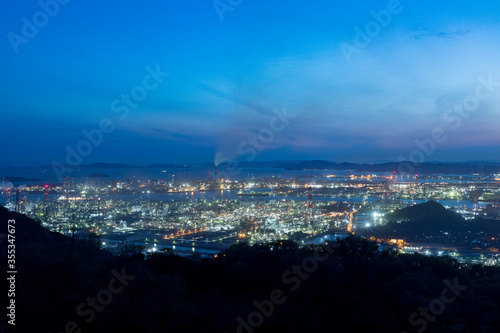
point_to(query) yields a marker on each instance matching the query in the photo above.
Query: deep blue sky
(226, 78)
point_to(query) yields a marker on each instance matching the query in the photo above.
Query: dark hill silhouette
(349, 286)
(28, 231)
(427, 211)
(431, 218)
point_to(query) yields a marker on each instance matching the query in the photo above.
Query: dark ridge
(430, 210)
(108, 166)
(352, 287)
(98, 175)
(28, 231)
(168, 166)
(431, 218)
(20, 179)
(405, 167)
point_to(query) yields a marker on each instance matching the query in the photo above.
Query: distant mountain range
(110, 166)
(424, 168)
(20, 179)
(463, 168)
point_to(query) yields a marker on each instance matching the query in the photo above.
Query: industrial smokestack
(215, 173)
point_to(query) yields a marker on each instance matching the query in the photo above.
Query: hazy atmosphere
(248, 166)
(360, 82)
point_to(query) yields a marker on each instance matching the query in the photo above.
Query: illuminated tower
(18, 201)
(66, 188)
(309, 205)
(352, 217)
(46, 194)
(387, 187)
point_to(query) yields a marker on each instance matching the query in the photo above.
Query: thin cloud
(421, 32)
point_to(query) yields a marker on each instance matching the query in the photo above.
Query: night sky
(352, 89)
